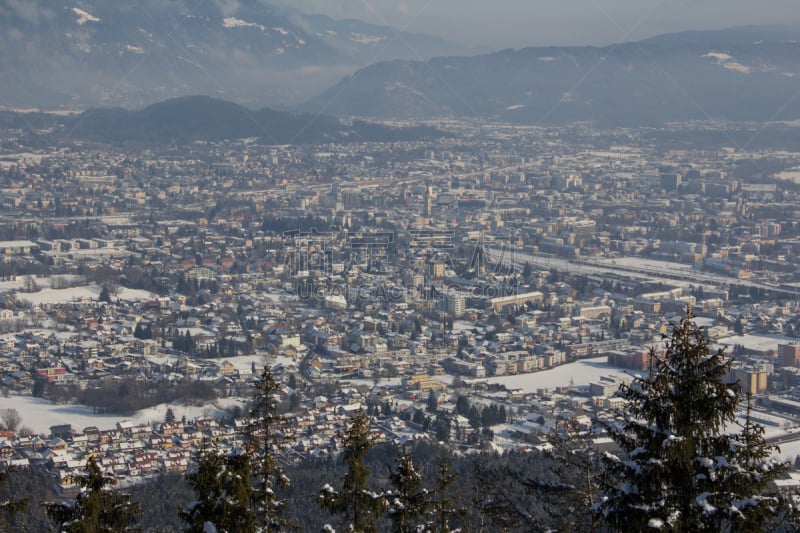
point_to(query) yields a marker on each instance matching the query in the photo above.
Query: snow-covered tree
(221, 483)
(408, 501)
(680, 468)
(96, 508)
(268, 435)
(360, 508)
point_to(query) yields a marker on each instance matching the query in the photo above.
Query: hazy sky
(517, 23)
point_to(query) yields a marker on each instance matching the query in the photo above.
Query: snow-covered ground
(761, 343)
(44, 282)
(579, 373)
(244, 363)
(370, 382)
(63, 296)
(39, 414)
(788, 451)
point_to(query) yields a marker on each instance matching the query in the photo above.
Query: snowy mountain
(88, 52)
(739, 74)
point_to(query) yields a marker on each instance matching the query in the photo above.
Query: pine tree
(221, 483)
(462, 406)
(680, 470)
(169, 415)
(407, 500)
(189, 342)
(441, 428)
(442, 502)
(97, 508)
(105, 295)
(432, 403)
(360, 508)
(527, 270)
(268, 434)
(9, 508)
(205, 478)
(474, 417)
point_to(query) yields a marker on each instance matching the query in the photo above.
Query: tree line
(128, 395)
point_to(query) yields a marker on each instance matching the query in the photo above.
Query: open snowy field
(63, 296)
(580, 373)
(39, 414)
(761, 343)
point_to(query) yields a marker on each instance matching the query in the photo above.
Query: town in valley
(527, 270)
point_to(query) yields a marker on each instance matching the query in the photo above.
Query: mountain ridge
(739, 74)
(203, 118)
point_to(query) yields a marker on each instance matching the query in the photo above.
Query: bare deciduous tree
(10, 419)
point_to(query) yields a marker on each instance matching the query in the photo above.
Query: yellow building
(752, 381)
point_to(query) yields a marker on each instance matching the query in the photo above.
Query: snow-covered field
(22, 281)
(580, 373)
(244, 363)
(39, 414)
(761, 343)
(50, 295)
(63, 296)
(790, 175)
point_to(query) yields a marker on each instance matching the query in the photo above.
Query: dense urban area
(472, 290)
